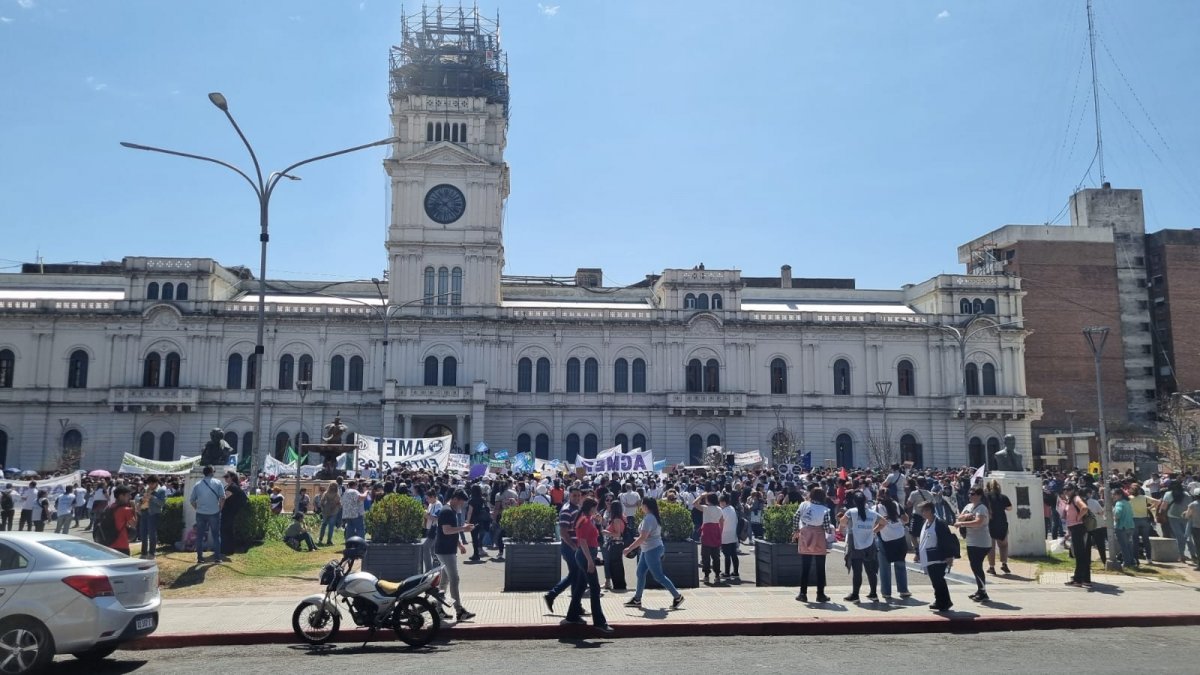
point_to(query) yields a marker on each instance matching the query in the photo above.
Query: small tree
(879, 447)
(1178, 430)
(785, 447)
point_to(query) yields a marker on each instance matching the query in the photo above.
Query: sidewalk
(745, 610)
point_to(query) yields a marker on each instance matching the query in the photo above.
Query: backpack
(6, 501)
(105, 530)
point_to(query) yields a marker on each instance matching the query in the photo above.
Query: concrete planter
(393, 562)
(776, 564)
(681, 564)
(531, 567)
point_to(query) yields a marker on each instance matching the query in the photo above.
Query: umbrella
(29, 474)
(99, 473)
(12, 470)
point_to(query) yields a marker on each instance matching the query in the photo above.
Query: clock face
(445, 203)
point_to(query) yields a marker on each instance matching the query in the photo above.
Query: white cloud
(548, 10)
(944, 14)
(95, 84)
(5, 19)
(25, 4)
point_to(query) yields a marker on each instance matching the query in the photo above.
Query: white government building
(147, 354)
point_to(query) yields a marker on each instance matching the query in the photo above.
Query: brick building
(1173, 266)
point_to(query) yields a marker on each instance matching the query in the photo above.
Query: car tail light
(93, 586)
(437, 579)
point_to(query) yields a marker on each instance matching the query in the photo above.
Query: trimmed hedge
(395, 519)
(529, 523)
(777, 523)
(250, 524)
(170, 523)
(676, 520)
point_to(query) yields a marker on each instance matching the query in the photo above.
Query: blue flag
(481, 448)
(660, 465)
(500, 454)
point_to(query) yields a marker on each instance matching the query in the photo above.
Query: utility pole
(302, 386)
(1096, 336)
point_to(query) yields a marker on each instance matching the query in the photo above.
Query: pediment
(704, 323)
(445, 153)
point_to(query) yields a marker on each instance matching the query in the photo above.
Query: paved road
(1091, 651)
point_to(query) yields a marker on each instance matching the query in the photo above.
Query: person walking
(587, 536)
(1073, 509)
(861, 525)
(207, 498)
(433, 508)
(812, 525)
(614, 561)
(331, 508)
(1124, 527)
(64, 508)
(998, 505)
(480, 516)
(974, 517)
(650, 544)
(892, 545)
(448, 546)
(566, 545)
(936, 550)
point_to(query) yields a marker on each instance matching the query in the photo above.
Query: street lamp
(883, 388)
(302, 386)
(1096, 336)
(263, 189)
(62, 439)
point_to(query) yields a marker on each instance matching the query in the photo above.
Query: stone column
(407, 426)
(458, 430)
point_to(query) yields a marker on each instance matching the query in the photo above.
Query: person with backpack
(41, 511)
(118, 520)
(7, 507)
(937, 547)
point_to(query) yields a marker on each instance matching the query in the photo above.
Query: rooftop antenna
(1091, 16)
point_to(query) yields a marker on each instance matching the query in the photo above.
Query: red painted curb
(807, 626)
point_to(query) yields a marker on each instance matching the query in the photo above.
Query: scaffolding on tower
(453, 52)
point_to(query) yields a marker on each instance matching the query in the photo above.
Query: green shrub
(676, 521)
(250, 523)
(529, 523)
(777, 523)
(170, 522)
(395, 519)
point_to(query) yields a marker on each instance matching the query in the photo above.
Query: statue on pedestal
(1008, 459)
(216, 450)
(333, 432)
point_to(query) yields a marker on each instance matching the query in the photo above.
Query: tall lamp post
(1096, 336)
(62, 439)
(883, 388)
(263, 189)
(302, 386)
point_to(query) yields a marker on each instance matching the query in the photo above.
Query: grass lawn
(1061, 562)
(270, 569)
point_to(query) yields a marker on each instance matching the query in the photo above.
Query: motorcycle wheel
(417, 622)
(315, 624)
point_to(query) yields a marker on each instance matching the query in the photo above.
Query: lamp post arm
(270, 187)
(227, 165)
(249, 148)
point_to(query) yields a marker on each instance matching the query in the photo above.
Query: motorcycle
(411, 608)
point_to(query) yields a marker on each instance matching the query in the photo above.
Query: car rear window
(82, 550)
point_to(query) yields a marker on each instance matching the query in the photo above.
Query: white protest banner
(135, 464)
(458, 462)
(275, 467)
(408, 453)
(56, 485)
(747, 458)
(790, 473)
(619, 462)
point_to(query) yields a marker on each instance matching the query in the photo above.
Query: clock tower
(449, 103)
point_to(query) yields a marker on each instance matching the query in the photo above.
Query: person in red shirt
(124, 517)
(588, 537)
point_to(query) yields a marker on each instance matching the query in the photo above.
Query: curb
(752, 628)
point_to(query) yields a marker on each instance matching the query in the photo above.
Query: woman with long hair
(811, 524)
(614, 533)
(1175, 503)
(588, 538)
(480, 516)
(649, 541)
(974, 517)
(892, 545)
(1073, 509)
(998, 505)
(861, 525)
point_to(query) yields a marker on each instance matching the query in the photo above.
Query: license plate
(144, 624)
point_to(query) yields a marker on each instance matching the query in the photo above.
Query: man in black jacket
(937, 548)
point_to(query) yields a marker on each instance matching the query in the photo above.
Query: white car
(60, 594)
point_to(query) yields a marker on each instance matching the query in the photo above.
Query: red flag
(842, 474)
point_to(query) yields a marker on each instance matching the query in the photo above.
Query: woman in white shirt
(861, 525)
(892, 546)
(811, 524)
(729, 537)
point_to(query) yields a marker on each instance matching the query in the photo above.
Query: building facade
(146, 355)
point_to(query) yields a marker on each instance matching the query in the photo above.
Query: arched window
(591, 446)
(713, 441)
(621, 376)
(695, 450)
(971, 379)
(717, 301)
(151, 369)
(572, 375)
(639, 376)
(337, 373)
(233, 372)
(429, 131)
(146, 445)
(454, 133)
(168, 291)
(456, 277)
(524, 443)
(356, 373)
(694, 376)
(431, 371)
(429, 294)
(910, 450)
(712, 376)
(964, 306)
(993, 446)
(622, 441)
(975, 452)
(778, 377)
(638, 442)
(543, 375)
(166, 447)
(841, 379)
(449, 372)
(251, 370)
(977, 306)
(73, 442)
(905, 384)
(989, 306)
(282, 441)
(689, 301)
(572, 449)
(591, 376)
(541, 446)
(152, 291)
(181, 291)
(77, 370)
(287, 371)
(702, 301)
(171, 374)
(8, 362)
(524, 376)
(462, 134)
(989, 379)
(844, 448)
(231, 438)
(443, 286)
(437, 131)
(247, 443)
(306, 369)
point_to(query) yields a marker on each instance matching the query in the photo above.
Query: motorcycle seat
(394, 588)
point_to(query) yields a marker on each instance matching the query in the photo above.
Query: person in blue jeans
(207, 498)
(891, 545)
(567, 546)
(650, 544)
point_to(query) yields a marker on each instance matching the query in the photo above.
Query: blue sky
(862, 139)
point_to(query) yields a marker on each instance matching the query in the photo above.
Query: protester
(433, 508)
(892, 546)
(1072, 509)
(64, 506)
(729, 537)
(8, 501)
(1124, 527)
(812, 526)
(297, 533)
(567, 545)
(353, 510)
(712, 526)
(207, 498)
(447, 547)
(650, 545)
(861, 525)
(480, 516)
(588, 540)
(998, 506)
(331, 507)
(615, 534)
(974, 518)
(124, 519)
(1098, 537)
(1174, 503)
(936, 550)
(149, 510)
